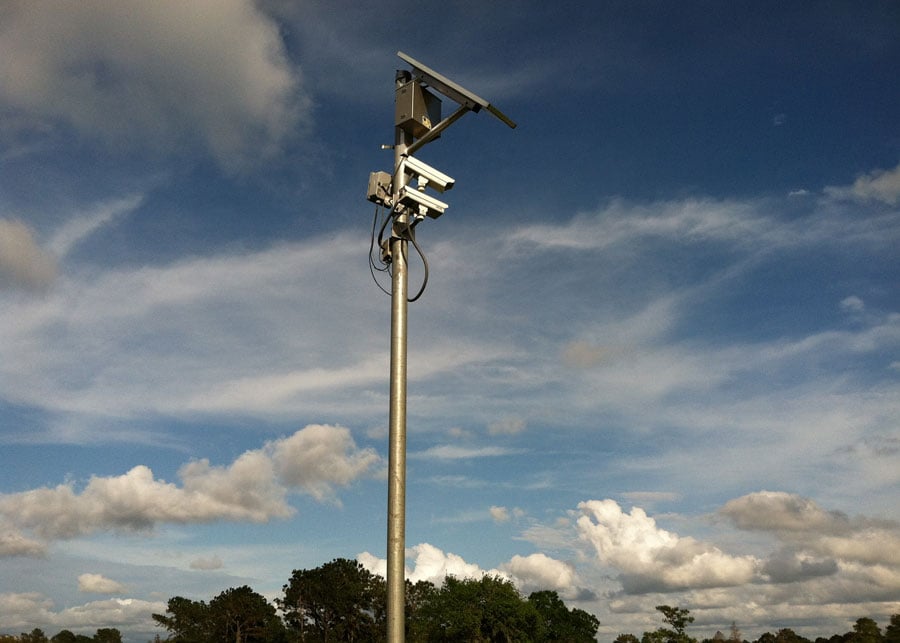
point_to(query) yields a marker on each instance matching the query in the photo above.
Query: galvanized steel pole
(396, 518)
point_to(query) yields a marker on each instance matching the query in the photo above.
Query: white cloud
(783, 512)
(207, 564)
(431, 564)
(81, 227)
(23, 263)
(25, 611)
(320, 457)
(653, 559)
(529, 573)
(507, 426)
(452, 452)
(499, 514)
(150, 74)
(538, 572)
(853, 304)
(881, 185)
(803, 524)
(13, 543)
(252, 488)
(99, 584)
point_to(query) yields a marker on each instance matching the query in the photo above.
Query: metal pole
(396, 518)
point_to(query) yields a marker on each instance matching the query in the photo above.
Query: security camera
(436, 179)
(434, 207)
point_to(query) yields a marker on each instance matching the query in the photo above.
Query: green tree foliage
(240, 615)
(108, 635)
(559, 623)
(627, 638)
(892, 631)
(187, 621)
(488, 609)
(338, 601)
(865, 630)
(243, 616)
(787, 635)
(678, 619)
(35, 636)
(65, 636)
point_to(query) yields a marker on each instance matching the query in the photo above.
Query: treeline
(103, 635)
(342, 601)
(676, 620)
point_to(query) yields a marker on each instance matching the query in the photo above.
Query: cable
(412, 237)
(377, 264)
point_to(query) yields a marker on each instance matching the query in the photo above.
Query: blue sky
(658, 359)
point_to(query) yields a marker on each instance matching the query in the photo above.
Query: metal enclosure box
(379, 190)
(417, 109)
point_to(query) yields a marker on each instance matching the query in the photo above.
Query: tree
(418, 595)
(65, 636)
(243, 616)
(865, 630)
(892, 631)
(627, 638)
(787, 635)
(189, 621)
(338, 601)
(108, 635)
(735, 635)
(478, 610)
(560, 623)
(36, 636)
(678, 618)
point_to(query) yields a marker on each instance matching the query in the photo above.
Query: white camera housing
(436, 179)
(434, 207)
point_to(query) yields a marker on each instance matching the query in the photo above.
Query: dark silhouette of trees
(342, 601)
(338, 601)
(559, 623)
(678, 619)
(892, 631)
(239, 615)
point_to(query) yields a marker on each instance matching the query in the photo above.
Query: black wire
(412, 237)
(372, 261)
(378, 264)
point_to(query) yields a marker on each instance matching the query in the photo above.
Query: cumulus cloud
(13, 543)
(151, 73)
(253, 488)
(803, 524)
(23, 263)
(651, 559)
(788, 566)
(99, 584)
(320, 457)
(24, 611)
(783, 512)
(529, 573)
(429, 563)
(541, 572)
